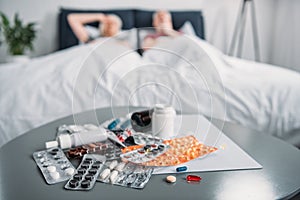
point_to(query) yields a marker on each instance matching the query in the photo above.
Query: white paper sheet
(229, 155)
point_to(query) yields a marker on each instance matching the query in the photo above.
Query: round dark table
(20, 178)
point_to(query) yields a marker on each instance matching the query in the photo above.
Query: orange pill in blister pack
(181, 150)
(131, 148)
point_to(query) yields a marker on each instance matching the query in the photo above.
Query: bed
(131, 18)
(186, 72)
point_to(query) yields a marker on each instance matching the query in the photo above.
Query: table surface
(20, 178)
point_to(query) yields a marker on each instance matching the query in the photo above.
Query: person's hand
(101, 17)
(164, 27)
(148, 43)
(166, 30)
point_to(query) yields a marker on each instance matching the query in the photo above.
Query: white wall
(277, 23)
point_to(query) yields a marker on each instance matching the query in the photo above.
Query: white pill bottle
(162, 121)
(81, 138)
(66, 141)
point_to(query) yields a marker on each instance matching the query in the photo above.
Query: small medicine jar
(163, 119)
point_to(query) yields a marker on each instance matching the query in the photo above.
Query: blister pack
(143, 138)
(130, 137)
(125, 174)
(86, 173)
(122, 135)
(107, 148)
(145, 153)
(181, 150)
(54, 165)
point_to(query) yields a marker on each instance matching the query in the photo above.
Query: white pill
(171, 179)
(69, 171)
(113, 176)
(113, 164)
(51, 144)
(39, 155)
(54, 175)
(51, 168)
(120, 166)
(105, 174)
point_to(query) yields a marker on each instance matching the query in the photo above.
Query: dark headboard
(143, 18)
(131, 18)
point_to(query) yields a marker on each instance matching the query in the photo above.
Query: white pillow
(187, 28)
(125, 35)
(128, 36)
(92, 31)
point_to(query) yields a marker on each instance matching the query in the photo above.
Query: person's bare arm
(78, 20)
(171, 32)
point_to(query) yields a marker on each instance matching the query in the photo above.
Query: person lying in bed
(162, 23)
(109, 25)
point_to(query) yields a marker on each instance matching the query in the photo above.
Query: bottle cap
(162, 109)
(65, 141)
(159, 106)
(51, 144)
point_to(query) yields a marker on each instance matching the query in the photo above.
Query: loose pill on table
(51, 168)
(171, 179)
(105, 174)
(113, 176)
(181, 169)
(193, 178)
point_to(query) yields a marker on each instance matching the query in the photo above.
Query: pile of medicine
(122, 151)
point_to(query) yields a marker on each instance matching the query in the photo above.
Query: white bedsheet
(187, 73)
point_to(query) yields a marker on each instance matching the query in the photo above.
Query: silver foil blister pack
(87, 172)
(145, 153)
(125, 174)
(144, 138)
(107, 149)
(54, 165)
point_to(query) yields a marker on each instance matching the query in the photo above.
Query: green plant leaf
(5, 22)
(18, 22)
(18, 37)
